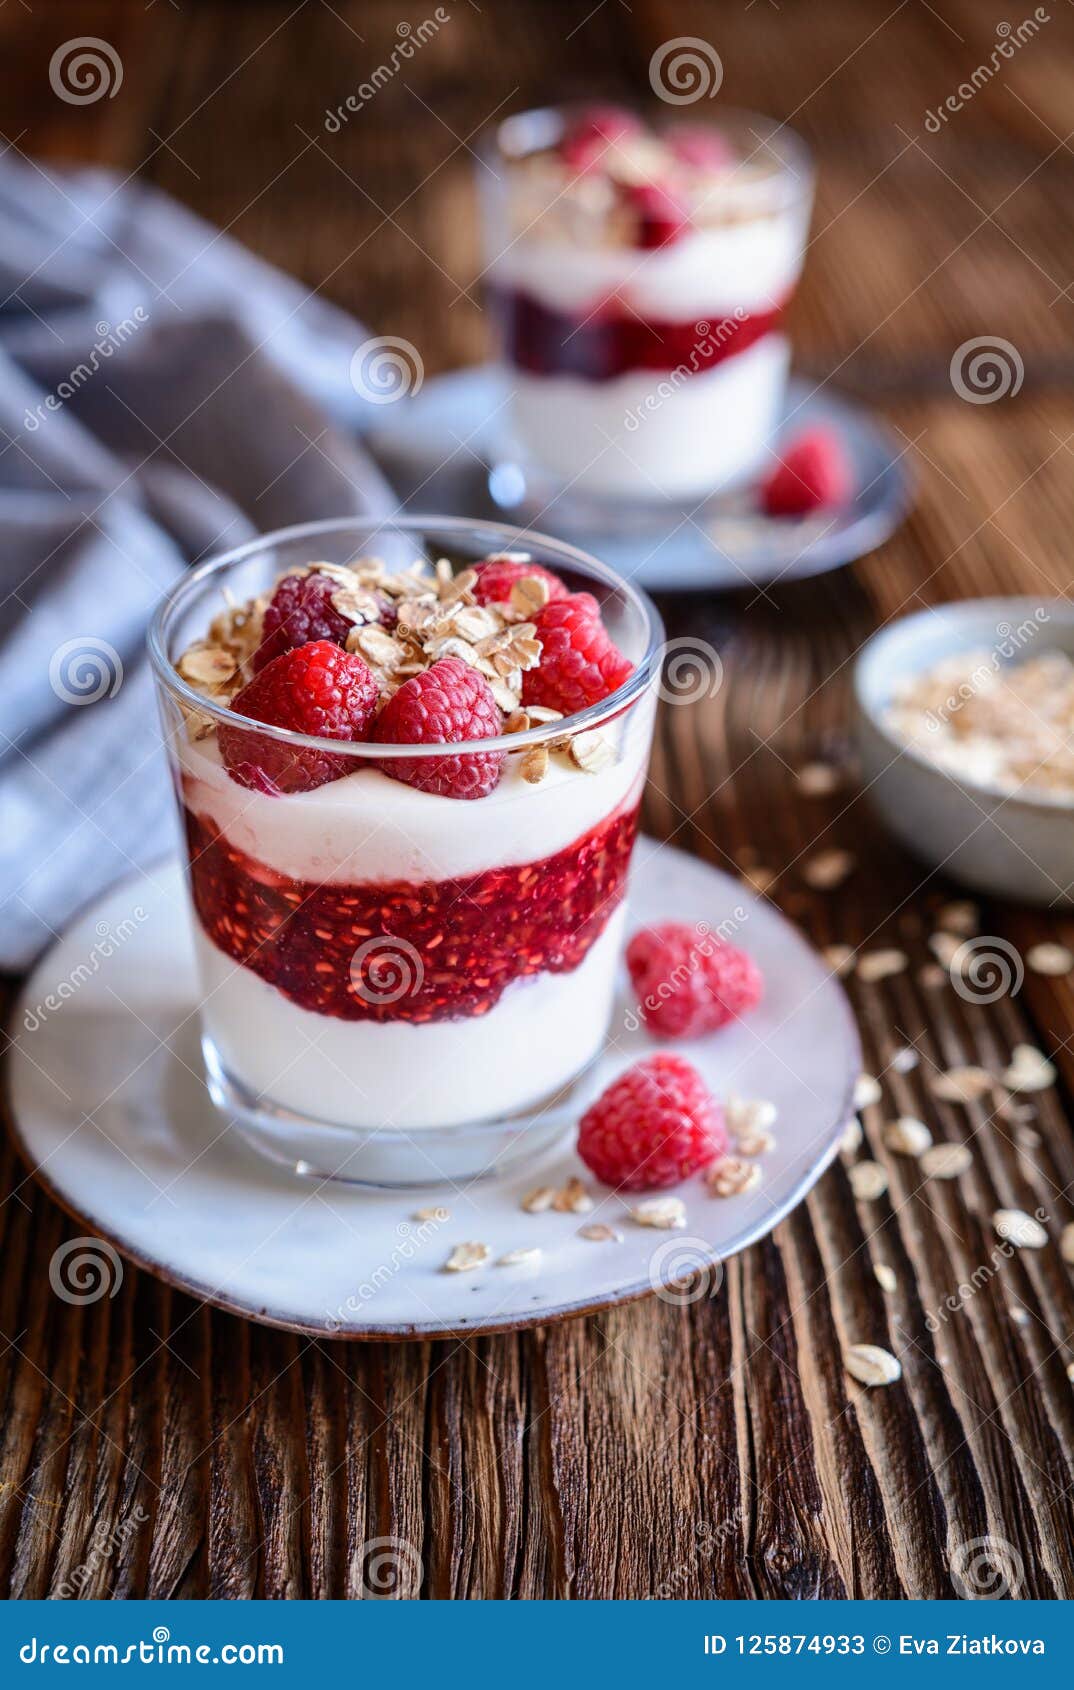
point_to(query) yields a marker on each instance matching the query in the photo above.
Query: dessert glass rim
(501, 537)
(547, 122)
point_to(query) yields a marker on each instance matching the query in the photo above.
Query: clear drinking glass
(644, 349)
(399, 987)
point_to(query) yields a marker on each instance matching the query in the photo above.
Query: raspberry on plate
(497, 575)
(688, 981)
(813, 473)
(579, 663)
(299, 611)
(442, 705)
(314, 689)
(655, 1125)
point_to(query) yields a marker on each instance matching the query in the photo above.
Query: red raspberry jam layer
(611, 341)
(457, 943)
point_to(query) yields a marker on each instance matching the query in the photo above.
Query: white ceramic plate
(111, 1112)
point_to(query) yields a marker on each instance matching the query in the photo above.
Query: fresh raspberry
(579, 664)
(813, 473)
(592, 133)
(662, 215)
(497, 576)
(442, 705)
(688, 981)
(315, 689)
(300, 610)
(653, 1126)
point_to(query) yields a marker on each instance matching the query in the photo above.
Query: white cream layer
(367, 826)
(707, 275)
(365, 1074)
(647, 436)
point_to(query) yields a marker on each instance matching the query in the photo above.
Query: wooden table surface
(717, 1449)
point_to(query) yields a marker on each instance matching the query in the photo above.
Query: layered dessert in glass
(409, 759)
(641, 275)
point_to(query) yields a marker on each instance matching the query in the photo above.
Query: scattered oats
(357, 604)
(868, 1181)
(667, 1213)
(1066, 1243)
(758, 1142)
(827, 869)
(464, 1257)
(380, 647)
(207, 666)
(515, 1258)
(879, 965)
(945, 947)
(946, 1161)
(539, 1199)
(760, 878)
(598, 1233)
(907, 1136)
(1020, 1229)
(592, 752)
(436, 1213)
(732, 1177)
(539, 714)
(885, 1276)
(961, 1085)
(866, 1091)
(1070, 1370)
(572, 1199)
(1027, 1139)
(839, 958)
(961, 917)
(904, 1061)
(931, 976)
(1050, 959)
(534, 765)
(1029, 1070)
(517, 722)
(853, 1137)
(529, 595)
(749, 1114)
(1019, 1315)
(818, 780)
(506, 693)
(871, 1365)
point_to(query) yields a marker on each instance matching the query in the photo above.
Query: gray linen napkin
(163, 394)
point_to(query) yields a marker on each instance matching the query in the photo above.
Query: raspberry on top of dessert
(416, 657)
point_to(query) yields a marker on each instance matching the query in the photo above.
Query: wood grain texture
(149, 1446)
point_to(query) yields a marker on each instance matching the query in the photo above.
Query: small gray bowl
(1016, 847)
